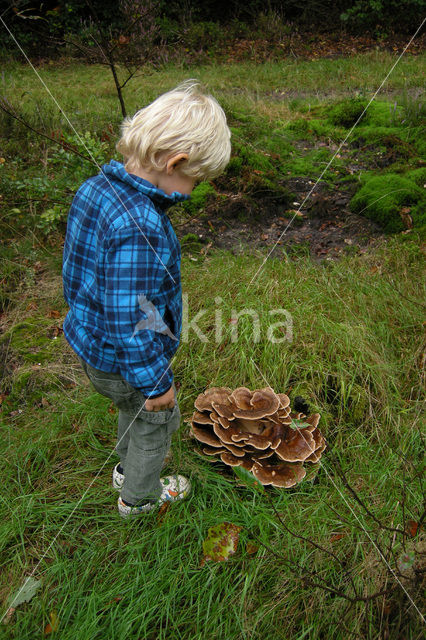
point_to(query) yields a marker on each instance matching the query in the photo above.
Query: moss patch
(347, 112)
(382, 197)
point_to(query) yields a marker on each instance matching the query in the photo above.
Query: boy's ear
(174, 161)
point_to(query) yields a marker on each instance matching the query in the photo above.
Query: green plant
(408, 110)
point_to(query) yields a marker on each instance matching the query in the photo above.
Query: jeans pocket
(160, 417)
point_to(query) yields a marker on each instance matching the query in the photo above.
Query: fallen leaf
(53, 625)
(26, 592)
(412, 527)
(110, 602)
(248, 479)
(52, 313)
(221, 542)
(298, 424)
(337, 536)
(162, 511)
(251, 548)
(8, 616)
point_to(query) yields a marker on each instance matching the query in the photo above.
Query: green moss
(382, 197)
(346, 112)
(234, 167)
(191, 243)
(255, 159)
(383, 113)
(31, 340)
(299, 126)
(201, 195)
(418, 176)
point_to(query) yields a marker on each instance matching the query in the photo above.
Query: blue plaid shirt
(120, 244)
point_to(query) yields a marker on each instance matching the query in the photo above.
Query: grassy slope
(356, 355)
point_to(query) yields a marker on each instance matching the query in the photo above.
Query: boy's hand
(166, 401)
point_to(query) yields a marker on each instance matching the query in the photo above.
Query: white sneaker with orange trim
(173, 488)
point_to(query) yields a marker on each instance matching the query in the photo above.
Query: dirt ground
(324, 226)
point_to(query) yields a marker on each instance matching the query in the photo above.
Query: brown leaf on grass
(337, 536)
(162, 511)
(9, 613)
(110, 602)
(54, 332)
(251, 548)
(112, 409)
(53, 625)
(412, 527)
(52, 313)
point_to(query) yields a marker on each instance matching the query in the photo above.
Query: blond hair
(183, 120)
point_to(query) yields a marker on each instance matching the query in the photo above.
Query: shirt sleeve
(136, 263)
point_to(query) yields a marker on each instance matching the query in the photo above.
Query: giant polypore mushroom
(257, 430)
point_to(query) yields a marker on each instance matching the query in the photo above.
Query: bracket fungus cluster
(258, 431)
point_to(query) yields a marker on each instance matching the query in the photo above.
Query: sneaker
(173, 488)
(118, 475)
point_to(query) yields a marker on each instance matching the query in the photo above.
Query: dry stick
(322, 584)
(314, 544)
(107, 51)
(345, 481)
(374, 541)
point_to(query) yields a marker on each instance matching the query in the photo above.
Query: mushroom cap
(225, 435)
(205, 436)
(250, 426)
(313, 420)
(264, 402)
(211, 451)
(241, 397)
(296, 447)
(214, 394)
(258, 442)
(284, 400)
(201, 418)
(231, 460)
(281, 475)
(238, 452)
(224, 409)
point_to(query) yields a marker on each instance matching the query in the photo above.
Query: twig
(7, 108)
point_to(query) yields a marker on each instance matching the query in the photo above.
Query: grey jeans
(143, 438)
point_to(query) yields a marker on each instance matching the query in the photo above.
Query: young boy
(121, 275)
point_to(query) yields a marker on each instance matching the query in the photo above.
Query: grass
(357, 355)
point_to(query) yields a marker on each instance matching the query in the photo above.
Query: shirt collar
(116, 170)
